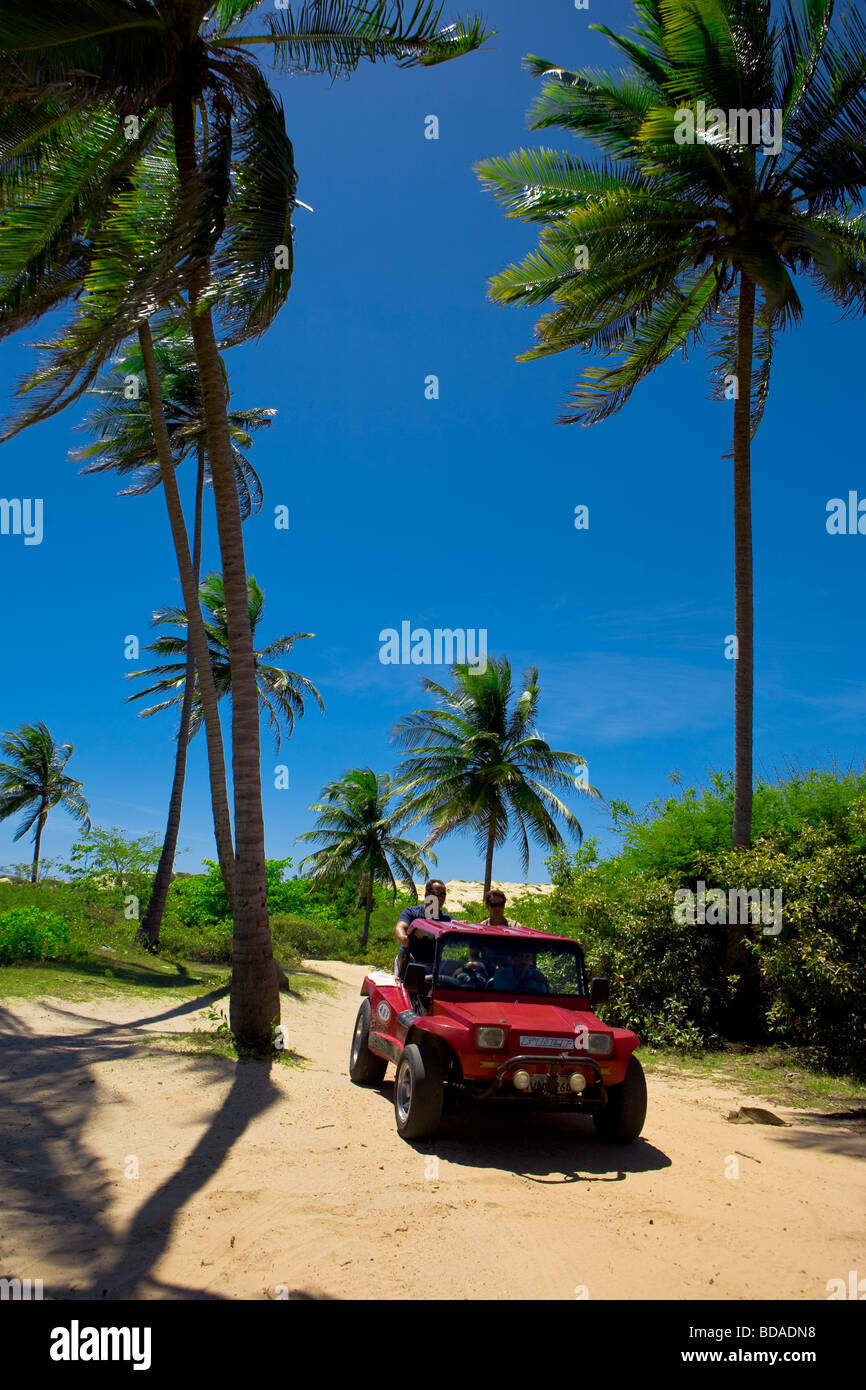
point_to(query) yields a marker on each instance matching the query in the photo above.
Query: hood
(526, 1016)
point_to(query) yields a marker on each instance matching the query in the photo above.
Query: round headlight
(577, 1082)
(521, 1080)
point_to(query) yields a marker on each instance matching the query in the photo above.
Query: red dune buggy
(495, 1013)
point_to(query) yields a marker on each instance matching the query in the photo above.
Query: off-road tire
(365, 1068)
(621, 1120)
(419, 1092)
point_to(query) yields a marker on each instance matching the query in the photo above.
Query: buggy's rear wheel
(365, 1068)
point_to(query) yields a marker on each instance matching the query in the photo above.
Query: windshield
(503, 965)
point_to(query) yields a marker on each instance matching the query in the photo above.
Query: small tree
(477, 763)
(110, 861)
(361, 842)
(35, 780)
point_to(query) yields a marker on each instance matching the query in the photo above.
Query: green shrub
(806, 986)
(210, 942)
(668, 835)
(30, 933)
(472, 912)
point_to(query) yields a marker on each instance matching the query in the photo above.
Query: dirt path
(130, 1171)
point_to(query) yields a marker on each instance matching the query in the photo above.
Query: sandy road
(129, 1170)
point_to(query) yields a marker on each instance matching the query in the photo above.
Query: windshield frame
(514, 943)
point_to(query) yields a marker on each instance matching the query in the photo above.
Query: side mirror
(599, 991)
(415, 978)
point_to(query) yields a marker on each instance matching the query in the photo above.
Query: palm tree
(477, 762)
(125, 443)
(360, 839)
(281, 693)
(35, 781)
(667, 241)
(182, 65)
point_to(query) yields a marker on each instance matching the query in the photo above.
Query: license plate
(555, 1044)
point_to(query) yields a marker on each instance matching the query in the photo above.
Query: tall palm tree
(360, 838)
(122, 424)
(477, 763)
(281, 693)
(34, 781)
(681, 232)
(183, 64)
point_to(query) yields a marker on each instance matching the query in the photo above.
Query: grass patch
(103, 974)
(777, 1073)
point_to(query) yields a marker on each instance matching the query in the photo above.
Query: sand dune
(461, 890)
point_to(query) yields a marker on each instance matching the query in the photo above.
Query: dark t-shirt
(411, 914)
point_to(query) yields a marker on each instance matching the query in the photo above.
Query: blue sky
(456, 512)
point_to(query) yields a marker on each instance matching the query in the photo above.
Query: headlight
(521, 1080)
(599, 1044)
(577, 1082)
(492, 1038)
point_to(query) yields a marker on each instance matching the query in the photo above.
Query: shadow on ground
(538, 1145)
(48, 1097)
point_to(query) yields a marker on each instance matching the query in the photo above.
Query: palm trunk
(148, 933)
(254, 994)
(488, 863)
(368, 910)
(196, 635)
(40, 826)
(737, 957)
(744, 667)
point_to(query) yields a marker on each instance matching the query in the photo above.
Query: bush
(30, 933)
(806, 986)
(201, 898)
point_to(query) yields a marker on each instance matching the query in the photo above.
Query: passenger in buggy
(520, 974)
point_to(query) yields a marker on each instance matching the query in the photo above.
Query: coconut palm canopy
(34, 781)
(282, 693)
(123, 427)
(92, 97)
(733, 154)
(477, 763)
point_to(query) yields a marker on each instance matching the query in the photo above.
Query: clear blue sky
(456, 512)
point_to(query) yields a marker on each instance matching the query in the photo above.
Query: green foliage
(201, 899)
(477, 763)
(34, 780)
(282, 693)
(30, 933)
(669, 835)
(814, 973)
(339, 935)
(639, 252)
(667, 979)
(111, 859)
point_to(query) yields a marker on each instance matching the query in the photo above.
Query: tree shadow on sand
(48, 1097)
